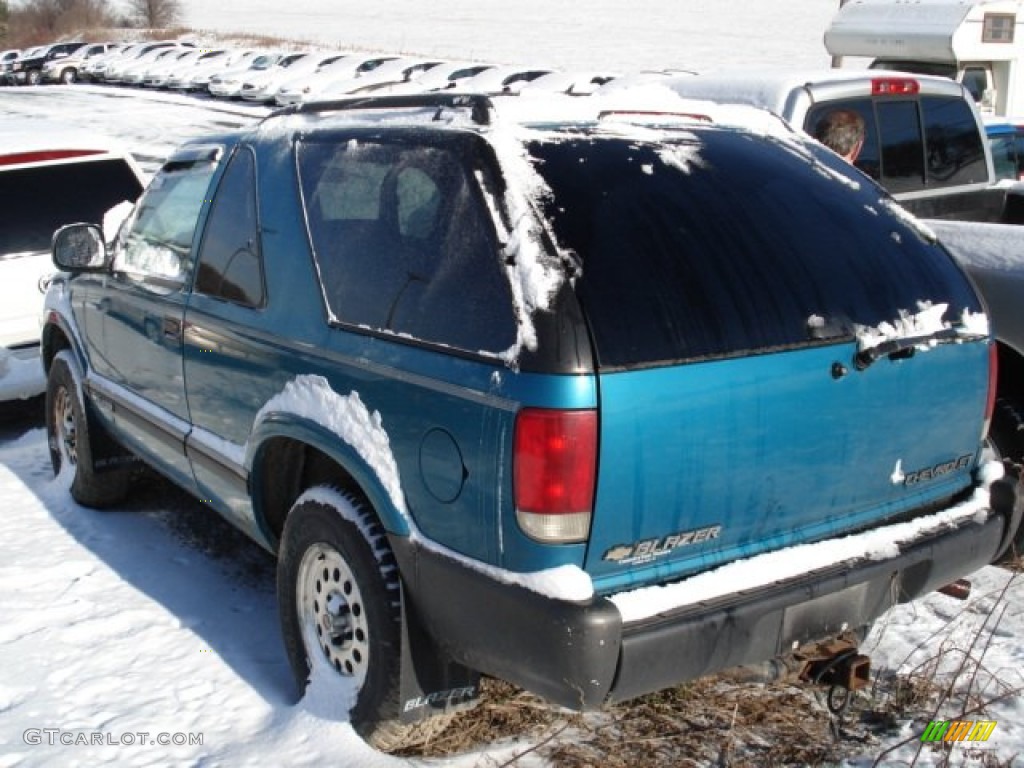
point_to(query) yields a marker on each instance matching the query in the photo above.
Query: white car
(440, 78)
(181, 68)
(309, 87)
(199, 77)
(571, 83)
(228, 84)
(262, 87)
(50, 175)
(135, 74)
(134, 58)
(389, 73)
(501, 80)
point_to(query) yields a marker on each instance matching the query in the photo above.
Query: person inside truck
(842, 131)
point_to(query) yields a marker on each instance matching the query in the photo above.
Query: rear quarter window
(403, 241)
(724, 245)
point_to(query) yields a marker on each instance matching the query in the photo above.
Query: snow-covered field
(616, 35)
(152, 629)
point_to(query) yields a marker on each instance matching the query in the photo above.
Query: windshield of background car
(38, 200)
(156, 241)
(723, 244)
(403, 239)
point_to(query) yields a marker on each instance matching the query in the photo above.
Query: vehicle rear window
(915, 144)
(724, 244)
(39, 200)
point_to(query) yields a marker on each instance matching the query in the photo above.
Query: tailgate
(708, 462)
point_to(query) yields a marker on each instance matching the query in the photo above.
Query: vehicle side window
(404, 243)
(230, 265)
(955, 153)
(157, 240)
(975, 80)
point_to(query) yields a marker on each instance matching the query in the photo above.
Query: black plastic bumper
(580, 655)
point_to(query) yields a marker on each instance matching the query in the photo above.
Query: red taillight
(993, 380)
(42, 156)
(894, 86)
(554, 473)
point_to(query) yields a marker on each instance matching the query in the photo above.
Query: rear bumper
(582, 655)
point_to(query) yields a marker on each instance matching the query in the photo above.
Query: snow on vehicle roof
(774, 89)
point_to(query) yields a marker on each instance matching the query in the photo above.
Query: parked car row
(280, 78)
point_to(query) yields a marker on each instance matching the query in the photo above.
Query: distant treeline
(33, 22)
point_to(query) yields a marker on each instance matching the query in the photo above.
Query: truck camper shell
(977, 42)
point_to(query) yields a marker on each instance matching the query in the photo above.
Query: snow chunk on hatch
(924, 325)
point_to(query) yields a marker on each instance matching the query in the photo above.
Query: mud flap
(431, 682)
(107, 453)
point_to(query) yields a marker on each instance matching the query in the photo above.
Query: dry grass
(727, 722)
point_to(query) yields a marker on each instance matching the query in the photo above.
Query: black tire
(1006, 442)
(341, 609)
(1006, 434)
(69, 435)
(33, 77)
(68, 76)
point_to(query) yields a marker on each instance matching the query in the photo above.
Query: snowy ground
(157, 619)
(616, 35)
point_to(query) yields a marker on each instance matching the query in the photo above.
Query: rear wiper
(905, 346)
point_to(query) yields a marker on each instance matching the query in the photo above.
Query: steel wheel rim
(331, 612)
(65, 426)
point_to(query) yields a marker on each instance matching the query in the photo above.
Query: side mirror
(79, 248)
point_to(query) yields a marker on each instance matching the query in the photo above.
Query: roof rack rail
(481, 107)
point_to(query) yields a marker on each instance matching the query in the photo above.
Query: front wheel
(68, 76)
(340, 603)
(68, 434)
(33, 77)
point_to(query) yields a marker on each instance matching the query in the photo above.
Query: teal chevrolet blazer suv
(592, 395)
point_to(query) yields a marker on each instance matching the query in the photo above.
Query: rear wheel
(70, 439)
(340, 604)
(33, 77)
